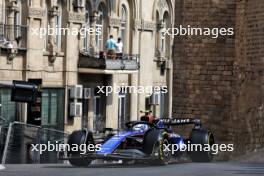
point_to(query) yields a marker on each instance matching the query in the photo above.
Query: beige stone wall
(36, 62)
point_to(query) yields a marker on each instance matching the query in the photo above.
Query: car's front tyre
(79, 138)
(155, 142)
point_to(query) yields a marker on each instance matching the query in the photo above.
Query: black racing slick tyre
(79, 137)
(154, 145)
(205, 139)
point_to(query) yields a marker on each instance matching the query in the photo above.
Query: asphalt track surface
(178, 169)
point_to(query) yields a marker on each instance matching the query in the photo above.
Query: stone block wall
(221, 80)
(248, 92)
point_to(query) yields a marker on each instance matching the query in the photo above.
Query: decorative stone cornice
(148, 26)
(36, 13)
(137, 24)
(145, 25)
(115, 22)
(76, 17)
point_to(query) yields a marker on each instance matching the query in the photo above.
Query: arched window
(124, 26)
(58, 21)
(86, 41)
(54, 22)
(101, 24)
(157, 43)
(165, 44)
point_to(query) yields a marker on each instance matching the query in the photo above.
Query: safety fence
(17, 141)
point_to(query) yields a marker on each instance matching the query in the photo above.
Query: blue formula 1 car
(148, 140)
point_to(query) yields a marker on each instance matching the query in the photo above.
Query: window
(99, 107)
(52, 108)
(46, 39)
(165, 42)
(2, 12)
(124, 25)
(2, 20)
(121, 110)
(56, 37)
(86, 41)
(17, 17)
(58, 25)
(158, 32)
(7, 108)
(100, 24)
(17, 21)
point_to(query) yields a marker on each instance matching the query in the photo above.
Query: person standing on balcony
(111, 47)
(119, 48)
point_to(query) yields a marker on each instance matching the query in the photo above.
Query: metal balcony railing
(13, 36)
(104, 61)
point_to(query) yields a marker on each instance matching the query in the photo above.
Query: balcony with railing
(13, 36)
(103, 61)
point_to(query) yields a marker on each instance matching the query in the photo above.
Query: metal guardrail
(19, 137)
(124, 62)
(104, 55)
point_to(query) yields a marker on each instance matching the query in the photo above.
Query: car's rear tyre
(79, 137)
(154, 145)
(206, 139)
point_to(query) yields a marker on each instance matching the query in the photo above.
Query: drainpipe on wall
(139, 51)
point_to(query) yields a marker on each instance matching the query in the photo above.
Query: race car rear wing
(181, 121)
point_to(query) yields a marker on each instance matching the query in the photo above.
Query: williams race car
(147, 140)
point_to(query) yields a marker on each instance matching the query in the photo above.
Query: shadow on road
(105, 166)
(248, 169)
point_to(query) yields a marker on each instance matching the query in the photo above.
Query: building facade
(59, 62)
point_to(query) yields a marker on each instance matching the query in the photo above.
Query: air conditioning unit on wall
(76, 109)
(154, 99)
(76, 92)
